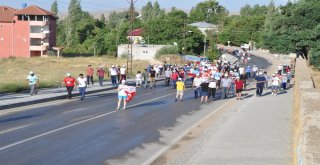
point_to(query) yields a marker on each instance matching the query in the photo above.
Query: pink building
(27, 32)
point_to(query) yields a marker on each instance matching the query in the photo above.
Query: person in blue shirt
(248, 71)
(260, 80)
(33, 83)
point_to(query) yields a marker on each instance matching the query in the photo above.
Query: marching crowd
(206, 78)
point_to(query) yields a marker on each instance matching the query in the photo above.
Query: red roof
(6, 13)
(33, 10)
(136, 32)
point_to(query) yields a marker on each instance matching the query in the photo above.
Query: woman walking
(122, 94)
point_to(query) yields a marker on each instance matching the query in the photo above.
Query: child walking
(139, 79)
(180, 88)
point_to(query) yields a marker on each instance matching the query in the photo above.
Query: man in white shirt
(197, 85)
(241, 70)
(113, 72)
(168, 74)
(254, 70)
(275, 81)
(123, 73)
(82, 84)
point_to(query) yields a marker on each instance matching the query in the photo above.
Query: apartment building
(29, 32)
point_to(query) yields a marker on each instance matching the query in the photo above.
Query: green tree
(146, 11)
(54, 7)
(208, 11)
(157, 11)
(103, 18)
(73, 19)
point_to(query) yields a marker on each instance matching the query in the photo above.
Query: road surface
(93, 132)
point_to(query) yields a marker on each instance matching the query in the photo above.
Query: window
(32, 18)
(40, 18)
(23, 17)
(46, 18)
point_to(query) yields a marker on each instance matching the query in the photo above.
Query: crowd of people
(206, 78)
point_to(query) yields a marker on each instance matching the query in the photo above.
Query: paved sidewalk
(45, 95)
(11, 100)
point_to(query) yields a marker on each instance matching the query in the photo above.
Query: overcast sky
(100, 5)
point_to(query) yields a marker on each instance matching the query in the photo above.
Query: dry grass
(51, 70)
(316, 77)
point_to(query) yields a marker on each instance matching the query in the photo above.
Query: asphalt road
(93, 132)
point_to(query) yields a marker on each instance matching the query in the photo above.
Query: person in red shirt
(69, 82)
(239, 87)
(90, 73)
(174, 78)
(101, 73)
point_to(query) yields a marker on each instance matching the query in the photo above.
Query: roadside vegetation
(51, 70)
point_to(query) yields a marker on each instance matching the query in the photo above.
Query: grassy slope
(51, 70)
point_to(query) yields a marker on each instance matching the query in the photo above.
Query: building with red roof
(136, 35)
(28, 32)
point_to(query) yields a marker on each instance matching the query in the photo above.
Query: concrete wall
(6, 39)
(307, 117)
(139, 52)
(21, 38)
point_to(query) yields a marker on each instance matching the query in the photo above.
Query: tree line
(289, 28)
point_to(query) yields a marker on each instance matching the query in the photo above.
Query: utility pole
(130, 58)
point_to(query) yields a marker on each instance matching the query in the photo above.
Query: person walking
(225, 84)
(255, 70)
(204, 91)
(174, 78)
(167, 76)
(197, 85)
(101, 73)
(145, 76)
(82, 85)
(138, 79)
(284, 80)
(70, 83)
(90, 72)
(152, 76)
(244, 78)
(239, 87)
(118, 74)
(248, 71)
(180, 88)
(113, 74)
(33, 83)
(123, 73)
(275, 82)
(122, 96)
(212, 88)
(260, 80)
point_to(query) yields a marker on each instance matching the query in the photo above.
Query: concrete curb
(60, 97)
(307, 114)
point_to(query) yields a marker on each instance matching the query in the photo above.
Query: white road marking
(53, 131)
(15, 128)
(74, 124)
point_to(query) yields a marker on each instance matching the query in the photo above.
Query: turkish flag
(131, 92)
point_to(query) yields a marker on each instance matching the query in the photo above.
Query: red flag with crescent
(131, 92)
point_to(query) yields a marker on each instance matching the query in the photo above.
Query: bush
(315, 58)
(12, 88)
(166, 50)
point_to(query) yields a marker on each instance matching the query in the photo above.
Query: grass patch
(52, 70)
(316, 77)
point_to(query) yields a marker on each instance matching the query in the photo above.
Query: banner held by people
(131, 92)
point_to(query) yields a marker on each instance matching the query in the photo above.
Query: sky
(103, 5)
